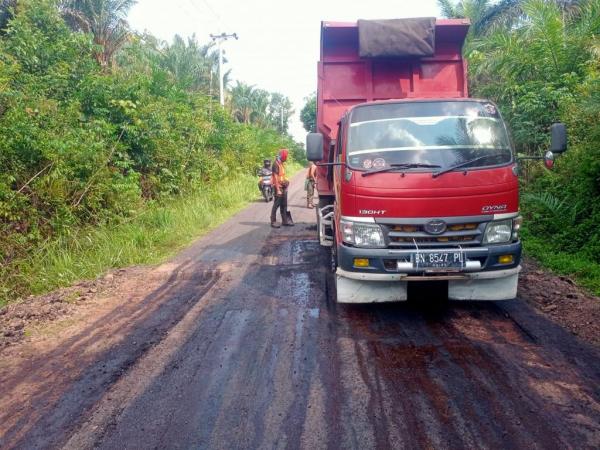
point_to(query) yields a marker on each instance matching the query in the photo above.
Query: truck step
(326, 226)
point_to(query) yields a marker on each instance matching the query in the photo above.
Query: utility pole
(219, 39)
(210, 92)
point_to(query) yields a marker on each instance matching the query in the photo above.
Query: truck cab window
(440, 133)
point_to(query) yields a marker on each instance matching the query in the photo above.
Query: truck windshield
(437, 133)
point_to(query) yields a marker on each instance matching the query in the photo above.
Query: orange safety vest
(279, 179)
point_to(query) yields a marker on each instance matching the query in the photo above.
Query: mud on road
(236, 344)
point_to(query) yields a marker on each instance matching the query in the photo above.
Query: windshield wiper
(466, 163)
(401, 167)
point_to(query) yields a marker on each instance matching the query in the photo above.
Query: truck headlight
(362, 234)
(498, 232)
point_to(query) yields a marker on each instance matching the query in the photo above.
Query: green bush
(82, 146)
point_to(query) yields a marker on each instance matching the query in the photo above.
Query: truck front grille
(412, 236)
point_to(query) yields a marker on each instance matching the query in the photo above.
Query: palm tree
(193, 66)
(484, 14)
(487, 15)
(181, 59)
(250, 105)
(260, 102)
(279, 112)
(104, 19)
(553, 40)
(242, 98)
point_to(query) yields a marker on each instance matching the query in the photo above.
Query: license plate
(439, 260)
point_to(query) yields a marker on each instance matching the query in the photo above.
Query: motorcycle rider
(265, 171)
(280, 184)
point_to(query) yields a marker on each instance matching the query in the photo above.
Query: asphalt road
(240, 346)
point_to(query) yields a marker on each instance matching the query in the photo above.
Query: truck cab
(416, 181)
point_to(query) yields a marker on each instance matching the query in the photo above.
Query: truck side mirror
(558, 143)
(549, 160)
(314, 146)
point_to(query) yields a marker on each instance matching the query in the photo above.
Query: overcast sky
(278, 44)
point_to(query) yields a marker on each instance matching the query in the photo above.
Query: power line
(212, 10)
(195, 8)
(218, 18)
(186, 11)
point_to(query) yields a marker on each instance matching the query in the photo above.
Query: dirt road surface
(235, 343)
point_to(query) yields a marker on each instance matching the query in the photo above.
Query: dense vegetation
(100, 127)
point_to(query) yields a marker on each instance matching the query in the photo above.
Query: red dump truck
(416, 181)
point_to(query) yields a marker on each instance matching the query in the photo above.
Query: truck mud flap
(361, 291)
(485, 288)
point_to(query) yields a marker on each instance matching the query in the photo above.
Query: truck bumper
(353, 287)
(375, 284)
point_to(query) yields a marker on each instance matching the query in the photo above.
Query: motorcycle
(266, 187)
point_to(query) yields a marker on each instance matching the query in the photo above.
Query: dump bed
(345, 79)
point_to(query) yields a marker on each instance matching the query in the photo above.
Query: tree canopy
(251, 105)
(308, 114)
(105, 20)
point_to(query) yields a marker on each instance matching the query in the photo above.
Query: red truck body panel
(345, 79)
(420, 195)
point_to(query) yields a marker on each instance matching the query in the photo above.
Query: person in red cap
(280, 184)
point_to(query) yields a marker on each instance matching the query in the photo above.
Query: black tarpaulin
(396, 38)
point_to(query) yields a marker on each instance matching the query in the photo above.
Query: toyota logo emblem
(435, 226)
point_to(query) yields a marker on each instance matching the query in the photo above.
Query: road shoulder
(562, 301)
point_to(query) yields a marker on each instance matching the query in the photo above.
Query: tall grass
(577, 266)
(156, 233)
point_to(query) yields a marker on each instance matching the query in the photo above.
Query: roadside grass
(157, 233)
(585, 272)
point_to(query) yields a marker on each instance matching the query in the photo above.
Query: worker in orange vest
(311, 180)
(280, 184)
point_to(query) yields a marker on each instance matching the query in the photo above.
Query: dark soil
(16, 319)
(560, 299)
